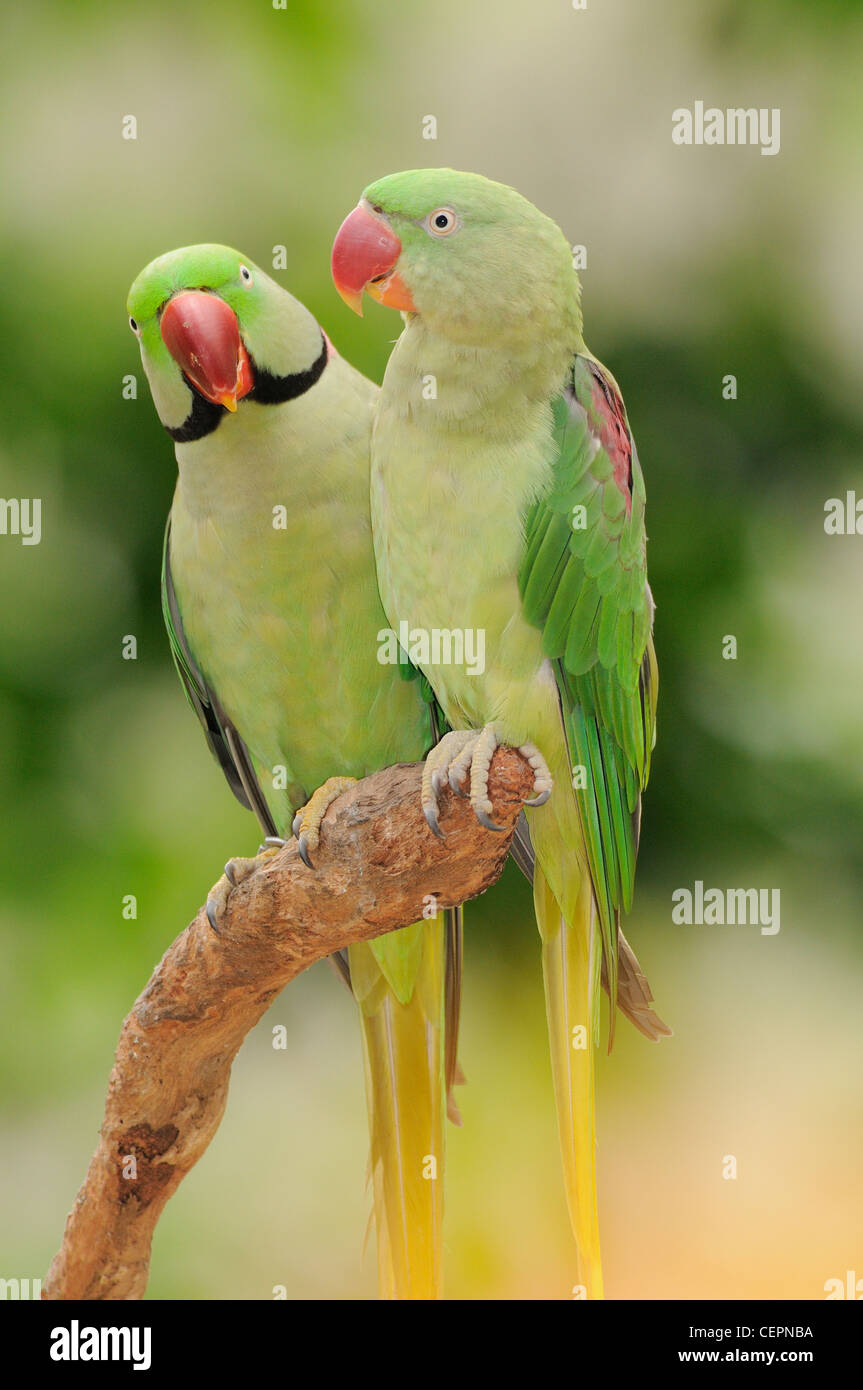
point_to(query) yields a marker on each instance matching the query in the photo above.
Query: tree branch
(377, 864)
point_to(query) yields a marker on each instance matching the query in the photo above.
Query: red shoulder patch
(608, 416)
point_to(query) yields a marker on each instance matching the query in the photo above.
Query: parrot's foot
(271, 843)
(542, 778)
(307, 822)
(472, 750)
(438, 764)
(236, 872)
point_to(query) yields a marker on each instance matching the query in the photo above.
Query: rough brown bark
(376, 865)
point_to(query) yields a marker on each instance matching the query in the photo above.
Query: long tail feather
(571, 953)
(634, 995)
(405, 1057)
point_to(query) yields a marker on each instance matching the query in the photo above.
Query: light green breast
(452, 478)
(283, 619)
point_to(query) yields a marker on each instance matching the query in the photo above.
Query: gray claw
(539, 800)
(211, 916)
(456, 787)
(229, 873)
(303, 847)
(430, 813)
(275, 840)
(486, 821)
(295, 825)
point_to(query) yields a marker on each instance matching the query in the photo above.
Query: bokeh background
(260, 127)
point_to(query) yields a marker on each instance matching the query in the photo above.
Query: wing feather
(583, 582)
(224, 741)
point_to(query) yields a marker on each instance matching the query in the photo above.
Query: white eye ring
(134, 327)
(246, 275)
(442, 222)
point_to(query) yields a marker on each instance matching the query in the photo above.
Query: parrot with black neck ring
(274, 619)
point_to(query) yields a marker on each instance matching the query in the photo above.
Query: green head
(218, 336)
(472, 257)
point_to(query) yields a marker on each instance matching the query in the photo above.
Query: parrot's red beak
(365, 253)
(202, 334)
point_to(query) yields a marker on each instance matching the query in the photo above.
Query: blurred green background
(260, 127)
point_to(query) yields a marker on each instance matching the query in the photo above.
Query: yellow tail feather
(403, 1047)
(571, 955)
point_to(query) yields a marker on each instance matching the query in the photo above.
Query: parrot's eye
(245, 274)
(134, 327)
(442, 222)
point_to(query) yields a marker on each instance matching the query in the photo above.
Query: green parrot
(508, 503)
(274, 619)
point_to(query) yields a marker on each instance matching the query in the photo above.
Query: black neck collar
(206, 416)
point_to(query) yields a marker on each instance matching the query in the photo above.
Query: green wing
(583, 581)
(223, 740)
